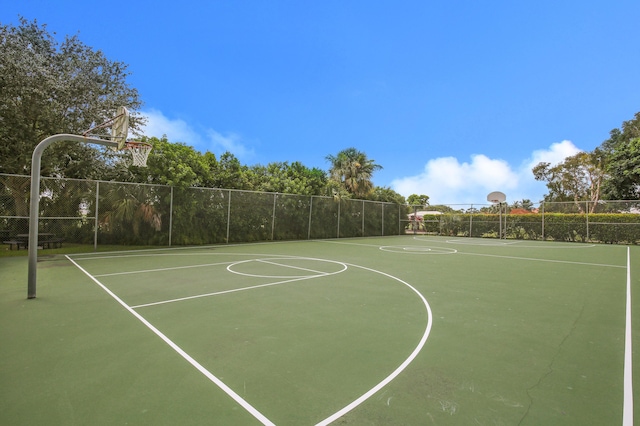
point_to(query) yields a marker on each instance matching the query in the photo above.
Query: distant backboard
(496, 197)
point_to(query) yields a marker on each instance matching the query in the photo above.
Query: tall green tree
(415, 199)
(525, 204)
(578, 178)
(386, 194)
(623, 182)
(294, 178)
(229, 173)
(623, 165)
(46, 88)
(176, 164)
(353, 170)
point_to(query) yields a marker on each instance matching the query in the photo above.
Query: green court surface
(374, 331)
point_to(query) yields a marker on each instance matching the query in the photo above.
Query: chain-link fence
(115, 213)
(584, 221)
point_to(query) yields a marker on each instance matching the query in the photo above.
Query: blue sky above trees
(454, 99)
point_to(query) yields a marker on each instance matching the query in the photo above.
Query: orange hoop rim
(135, 144)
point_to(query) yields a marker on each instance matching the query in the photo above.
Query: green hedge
(612, 228)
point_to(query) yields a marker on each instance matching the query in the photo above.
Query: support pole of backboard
(34, 204)
(500, 211)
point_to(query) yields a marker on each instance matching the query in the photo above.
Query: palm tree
(129, 207)
(353, 170)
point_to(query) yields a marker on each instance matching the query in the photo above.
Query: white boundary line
(627, 411)
(255, 413)
(628, 377)
(491, 242)
(418, 250)
(533, 259)
(82, 256)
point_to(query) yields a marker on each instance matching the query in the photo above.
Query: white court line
(198, 249)
(134, 253)
(144, 271)
(347, 243)
(217, 293)
(398, 370)
(284, 265)
(627, 411)
(496, 255)
(570, 262)
(254, 412)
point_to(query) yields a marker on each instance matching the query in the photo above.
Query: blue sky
(454, 99)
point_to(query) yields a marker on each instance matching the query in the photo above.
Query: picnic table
(45, 240)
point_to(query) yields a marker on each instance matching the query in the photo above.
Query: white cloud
(556, 153)
(231, 142)
(178, 130)
(446, 180)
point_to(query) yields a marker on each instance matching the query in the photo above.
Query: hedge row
(613, 228)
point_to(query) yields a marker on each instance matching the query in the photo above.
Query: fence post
(273, 216)
(471, 221)
(310, 212)
(170, 215)
(363, 218)
(382, 207)
(542, 206)
(586, 210)
(338, 232)
(228, 216)
(95, 225)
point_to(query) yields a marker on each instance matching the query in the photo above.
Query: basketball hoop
(139, 152)
(120, 126)
(496, 197)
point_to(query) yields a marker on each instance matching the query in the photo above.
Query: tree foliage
(386, 194)
(48, 88)
(176, 164)
(623, 170)
(623, 167)
(294, 178)
(578, 178)
(609, 172)
(353, 170)
(418, 200)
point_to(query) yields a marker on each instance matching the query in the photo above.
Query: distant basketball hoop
(496, 197)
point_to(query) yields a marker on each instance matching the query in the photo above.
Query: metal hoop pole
(34, 204)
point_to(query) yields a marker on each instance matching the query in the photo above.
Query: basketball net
(139, 152)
